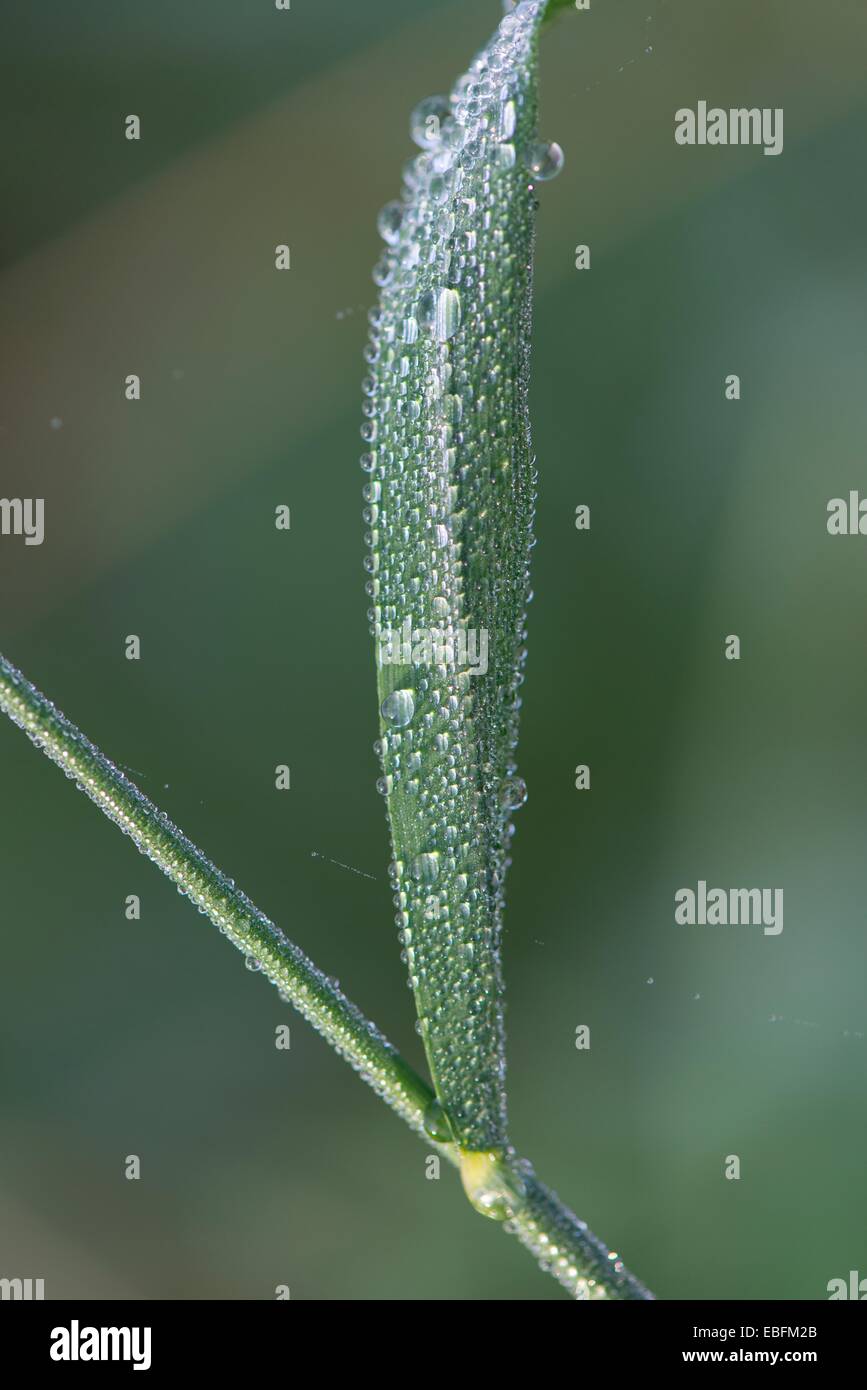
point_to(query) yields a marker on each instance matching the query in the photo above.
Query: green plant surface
(554, 7)
(450, 510)
(449, 507)
(562, 1244)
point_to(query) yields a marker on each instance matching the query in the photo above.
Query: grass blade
(450, 509)
(561, 1243)
(264, 945)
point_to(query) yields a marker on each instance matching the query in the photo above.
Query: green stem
(312, 993)
(561, 1242)
(554, 6)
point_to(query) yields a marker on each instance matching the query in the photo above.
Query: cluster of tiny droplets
(264, 945)
(567, 1249)
(449, 510)
(449, 506)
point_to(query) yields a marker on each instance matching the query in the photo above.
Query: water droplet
(436, 1123)
(426, 867)
(447, 318)
(503, 156)
(544, 160)
(389, 221)
(495, 1190)
(398, 708)
(427, 119)
(514, 793)
(427, 308)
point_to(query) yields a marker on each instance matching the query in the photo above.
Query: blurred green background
(262, 1167)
